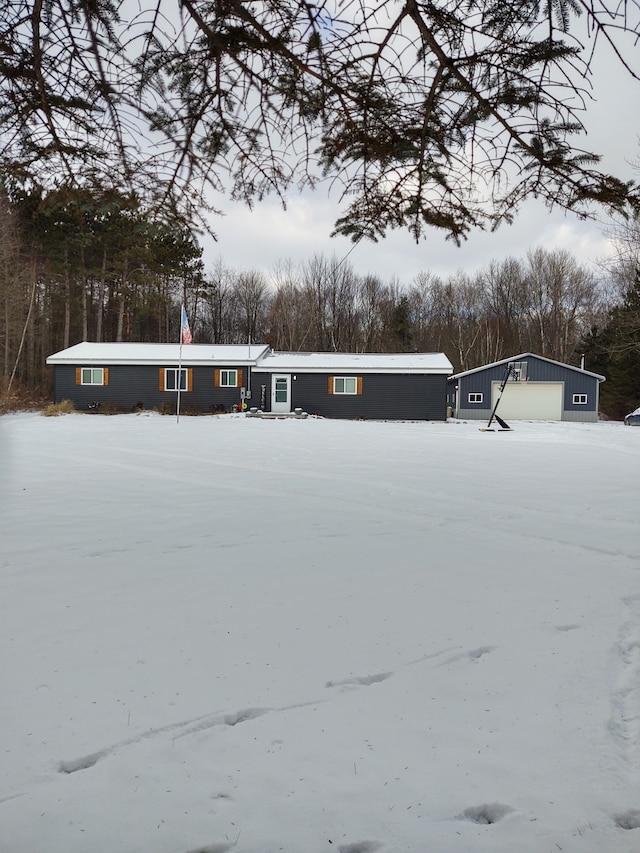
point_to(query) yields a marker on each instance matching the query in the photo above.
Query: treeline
(85, 265)
(80, 265)
(544, 303)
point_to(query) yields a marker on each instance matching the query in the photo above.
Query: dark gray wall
(384, 396)
(133, 385)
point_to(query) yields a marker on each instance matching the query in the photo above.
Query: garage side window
(579, 399)
(475, 396)
(92, 376)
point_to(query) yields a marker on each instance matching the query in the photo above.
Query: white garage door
(530, 401)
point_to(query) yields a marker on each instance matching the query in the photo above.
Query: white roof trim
(355, 363)
(522, 356)
(88, 353)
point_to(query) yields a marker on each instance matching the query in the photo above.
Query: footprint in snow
(486, 813)
(360, 847)
(360, 681)
(628, 820)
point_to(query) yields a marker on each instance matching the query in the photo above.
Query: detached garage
(538, 389)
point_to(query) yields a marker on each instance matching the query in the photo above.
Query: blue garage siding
(138, 385)
(384, 396)
(538, 370)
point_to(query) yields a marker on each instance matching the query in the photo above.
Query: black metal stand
(504, 426)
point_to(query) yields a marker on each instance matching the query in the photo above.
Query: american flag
(185, 332)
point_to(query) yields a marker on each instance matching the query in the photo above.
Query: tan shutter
(359, 385)
(105, 376)
(216, 378)
(239, 379)
(161, 378)
(330, 389)
(190, 379)
(78, 376)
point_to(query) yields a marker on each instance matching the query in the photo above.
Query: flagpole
(185, 337)
(179, 370)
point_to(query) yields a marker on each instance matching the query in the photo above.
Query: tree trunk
(101, 290)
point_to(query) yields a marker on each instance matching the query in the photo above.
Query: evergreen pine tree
(614, 352)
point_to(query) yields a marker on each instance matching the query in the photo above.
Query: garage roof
(522, 357)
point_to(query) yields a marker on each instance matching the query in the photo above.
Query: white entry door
(281, 392)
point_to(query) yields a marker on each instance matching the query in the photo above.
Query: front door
(281, 392)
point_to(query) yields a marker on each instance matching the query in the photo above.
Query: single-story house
(124, 376)
(538, 389)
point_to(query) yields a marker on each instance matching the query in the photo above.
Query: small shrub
(64, 407)
(108, 408)
(19, 398)
(190, 409)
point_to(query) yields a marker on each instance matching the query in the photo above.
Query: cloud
(259, 238)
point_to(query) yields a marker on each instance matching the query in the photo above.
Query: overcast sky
(260, 238)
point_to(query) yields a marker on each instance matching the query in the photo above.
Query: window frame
(174, 371)
(519, 372)
(344, 380)
(479, 394)
(93, 370)
(577, 401)
(226, 371)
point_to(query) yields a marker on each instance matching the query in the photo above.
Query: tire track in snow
(183, 728)
(217, 719)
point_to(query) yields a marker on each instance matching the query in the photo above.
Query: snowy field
(317, 636)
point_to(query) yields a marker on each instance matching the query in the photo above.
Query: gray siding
(384, 396)
(474, 414)
(582, 417)
(138, 385)
(538, 370)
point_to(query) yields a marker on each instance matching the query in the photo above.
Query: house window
(92, 376)
(171, 379)
(518, 371)
(579, 399)
(228, 378)
(475, 396)
(168, 378)
(345, 385)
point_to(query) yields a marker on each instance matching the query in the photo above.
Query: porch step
(257, 413)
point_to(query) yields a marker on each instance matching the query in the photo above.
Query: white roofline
(265, 367)
(192, 354)
(525, 355)
(356, 363)
(259, 358)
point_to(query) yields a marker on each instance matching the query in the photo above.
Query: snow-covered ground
(317, 636)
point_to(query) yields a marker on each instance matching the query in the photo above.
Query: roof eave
(525, 355)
